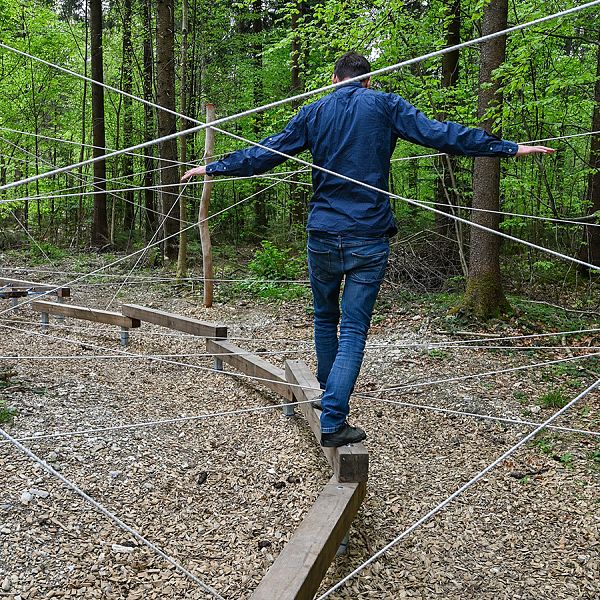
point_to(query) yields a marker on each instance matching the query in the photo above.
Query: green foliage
(7, 413)
(546, 445)
(272, 263)
(554, 399)
(45, 252)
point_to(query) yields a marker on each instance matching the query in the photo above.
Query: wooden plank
(63, 292)
(83, 312)
(173, 321)
(12, 294)
(299, 569)
(251, 365)
(350, 462)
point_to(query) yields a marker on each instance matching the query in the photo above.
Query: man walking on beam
(352, 131)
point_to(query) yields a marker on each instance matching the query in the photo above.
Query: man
(352, 131)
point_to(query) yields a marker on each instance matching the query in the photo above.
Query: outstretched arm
(255, 160)
(411, 124)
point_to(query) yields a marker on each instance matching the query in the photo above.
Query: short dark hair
(351, 64)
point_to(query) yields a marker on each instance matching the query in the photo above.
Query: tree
(100, 225)
(167, 122)
(590, 251)
(127, 77)
(484, 296)
(148, 70)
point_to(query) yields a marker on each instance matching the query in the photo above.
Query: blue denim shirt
(353, 131)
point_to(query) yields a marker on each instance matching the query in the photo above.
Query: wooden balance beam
(39, 288)
(88, 314)
(173, 321)
(349, 463)
(299, 569)
(249, 364)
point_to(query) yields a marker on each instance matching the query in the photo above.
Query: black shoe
(345, 435)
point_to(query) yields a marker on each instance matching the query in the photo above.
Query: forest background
(537, 84)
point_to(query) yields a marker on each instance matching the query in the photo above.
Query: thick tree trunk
(128, 213)
(167, 122)
(484, 296)
(590, 251)
(99, 225)
(150, 214)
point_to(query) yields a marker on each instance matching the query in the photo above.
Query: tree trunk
(297, 192)
(80, 209)
(182, 256)
(99, 226)
(167, 123)
(256, 28)
(590, 251)
(446, 192)
(150, 214)
(207, 263)
(128, 212)
(484, 296)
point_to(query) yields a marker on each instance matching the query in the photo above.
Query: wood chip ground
(223, 495)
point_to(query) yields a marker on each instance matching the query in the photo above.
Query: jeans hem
(331, 429)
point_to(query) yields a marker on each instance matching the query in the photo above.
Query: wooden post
(299, 569)
(350, 462)
(207, 264)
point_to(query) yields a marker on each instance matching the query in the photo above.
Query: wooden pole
(207, 264)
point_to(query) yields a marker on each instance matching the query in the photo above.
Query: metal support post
(343, 549)
(45, 321)
(217, 364)
(13, 303)
(124, 336)
(60, 318)
(288, 410)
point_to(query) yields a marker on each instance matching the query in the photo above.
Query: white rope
(161, 422)
(459, 491)
(484, 374)
(104, 511)
(156, 187)
(387, 69)
(462, 413)
(302, 96)
(370, 395)
(583, 223)
(120, 260)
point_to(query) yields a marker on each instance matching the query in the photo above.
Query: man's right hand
(195, 171)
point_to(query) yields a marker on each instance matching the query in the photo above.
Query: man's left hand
(522, 150)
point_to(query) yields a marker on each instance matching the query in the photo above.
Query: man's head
(351, 65)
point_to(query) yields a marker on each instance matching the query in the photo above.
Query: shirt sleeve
(254, 160)
(412, 125)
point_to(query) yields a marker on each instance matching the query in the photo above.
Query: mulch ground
(222, 495)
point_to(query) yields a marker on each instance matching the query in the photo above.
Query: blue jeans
(360, 262)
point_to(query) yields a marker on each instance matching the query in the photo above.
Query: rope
(270, 105)
(254, 409)
(459, 491)
(104, 511)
